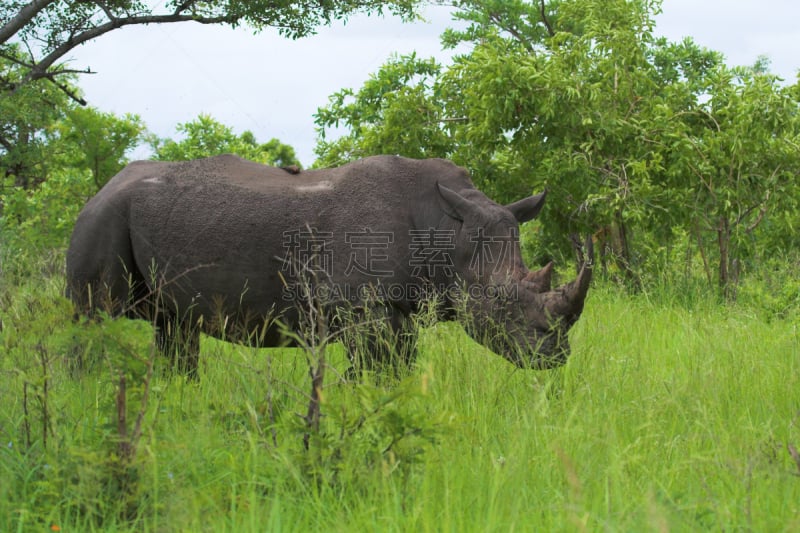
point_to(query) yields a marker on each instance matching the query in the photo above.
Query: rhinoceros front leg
(179, 341)
(380, 338)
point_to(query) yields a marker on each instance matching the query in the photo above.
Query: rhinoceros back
(213, 233)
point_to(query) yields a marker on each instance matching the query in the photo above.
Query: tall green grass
(669, 416)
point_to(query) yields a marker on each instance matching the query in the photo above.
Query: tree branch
(761, 213)
(66, 89)
(25, 15)
(5, 143)
(40, 70)
(73, 23)
(51, 76)
(544, 19)
(106, 10)
(13, 59)
(512, 30)
(183, 7)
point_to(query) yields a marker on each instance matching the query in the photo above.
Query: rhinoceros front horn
(567, 300)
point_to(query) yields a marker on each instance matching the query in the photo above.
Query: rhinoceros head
(509, 309)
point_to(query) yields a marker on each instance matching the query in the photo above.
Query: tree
(98, 141)
(565, 95)
(37, 35)
(644, 143)
(49, 29)
(77, 154)
(744, 162)
(396, 111)
(549, 97)
(206, 137)
(26, 115)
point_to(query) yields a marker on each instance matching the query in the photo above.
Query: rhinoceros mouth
(550, 349)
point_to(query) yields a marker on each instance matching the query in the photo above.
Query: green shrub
(774, 292)
(43, 218)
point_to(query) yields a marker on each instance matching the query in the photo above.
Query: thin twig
(544, 19)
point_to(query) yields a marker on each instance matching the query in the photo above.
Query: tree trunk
(623, 256)
(701, 249)
(724, 239)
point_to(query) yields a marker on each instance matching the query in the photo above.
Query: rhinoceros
(239, 251)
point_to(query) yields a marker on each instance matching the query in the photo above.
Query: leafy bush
(43, 217)
(775, 291)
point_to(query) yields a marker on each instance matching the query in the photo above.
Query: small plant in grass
(776, 292)
(376, 420)
(63, 457)
(372, 429)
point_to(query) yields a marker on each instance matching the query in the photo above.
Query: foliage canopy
(49, 29)
(37, 35)
(658, 149)
(204, 137)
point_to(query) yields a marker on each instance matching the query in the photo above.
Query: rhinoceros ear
(527, 208)
(455, 205)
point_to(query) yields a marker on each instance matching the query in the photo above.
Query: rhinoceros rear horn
(567, 300)
(541, 279)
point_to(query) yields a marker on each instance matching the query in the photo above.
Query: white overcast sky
(272, 86)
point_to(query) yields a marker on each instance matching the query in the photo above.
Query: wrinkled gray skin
(221, 239)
